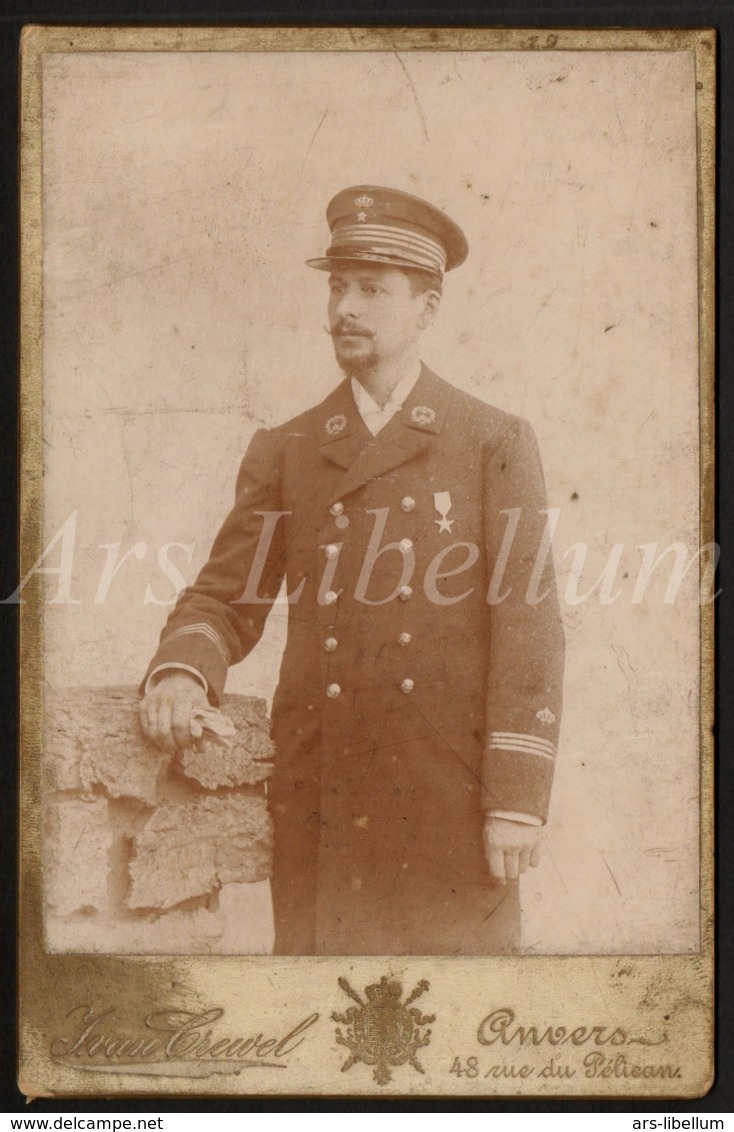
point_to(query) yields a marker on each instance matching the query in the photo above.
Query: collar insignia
(422, 415)
(336, 424)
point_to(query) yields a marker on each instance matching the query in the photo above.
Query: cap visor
(320, 264)
(327, 263)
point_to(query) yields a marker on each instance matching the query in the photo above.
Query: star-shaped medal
(442, 500)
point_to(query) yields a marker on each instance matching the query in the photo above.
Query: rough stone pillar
(146, 851)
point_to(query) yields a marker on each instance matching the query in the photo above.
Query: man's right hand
(165, 710)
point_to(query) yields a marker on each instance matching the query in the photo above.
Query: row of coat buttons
(407, 504)
(331, 644)
(333, 691)
(331, 596)
(332, 550)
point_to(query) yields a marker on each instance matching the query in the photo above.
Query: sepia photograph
(372, 559)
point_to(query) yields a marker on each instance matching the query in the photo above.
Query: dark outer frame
(329, 13)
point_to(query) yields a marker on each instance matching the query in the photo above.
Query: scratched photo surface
(182, 195)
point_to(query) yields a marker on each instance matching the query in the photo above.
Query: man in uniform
(416, 716)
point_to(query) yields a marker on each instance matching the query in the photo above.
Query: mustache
(345, 328)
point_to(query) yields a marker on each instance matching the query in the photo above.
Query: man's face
(374, 316)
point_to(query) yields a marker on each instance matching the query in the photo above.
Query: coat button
(408, 503)
(331, 551)
(405, 594)
(405, 639)
(333, 691)
(330, 644)
(406, 545)
(337, 508)
(330, 597)
(407, 686)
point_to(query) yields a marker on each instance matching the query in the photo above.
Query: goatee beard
(356, 367)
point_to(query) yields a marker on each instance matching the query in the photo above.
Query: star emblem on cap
(361, 216)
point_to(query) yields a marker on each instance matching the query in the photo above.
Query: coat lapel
(410, 433)
(342, 432)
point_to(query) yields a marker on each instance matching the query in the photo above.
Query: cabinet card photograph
(368, 564)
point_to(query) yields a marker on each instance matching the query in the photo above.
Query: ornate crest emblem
(545, 716)
(384, 1032)
(336, 424)
(421, 414)
(364, 201)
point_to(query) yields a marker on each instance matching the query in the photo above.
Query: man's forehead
(365, 272)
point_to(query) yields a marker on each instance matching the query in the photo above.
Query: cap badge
(361, 216)
(443, 504)
(545, 715)
(336, 424)
(421, 414)
(364, 201)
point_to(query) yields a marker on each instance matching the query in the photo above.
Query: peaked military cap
(381, 225)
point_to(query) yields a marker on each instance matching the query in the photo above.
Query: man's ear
(431, 300)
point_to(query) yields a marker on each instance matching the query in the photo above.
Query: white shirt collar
(375, 417)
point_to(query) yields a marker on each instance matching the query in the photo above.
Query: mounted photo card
(368, 568)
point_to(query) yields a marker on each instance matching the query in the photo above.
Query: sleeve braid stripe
(523, 748)
(526, 740)
(205, 630)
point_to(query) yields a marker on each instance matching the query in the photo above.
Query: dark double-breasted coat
(421, 680)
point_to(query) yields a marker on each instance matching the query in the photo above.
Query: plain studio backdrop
(182, 194)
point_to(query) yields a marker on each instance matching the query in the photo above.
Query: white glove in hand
(213, 725)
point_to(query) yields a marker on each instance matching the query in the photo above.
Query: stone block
(196, 931)
(93, 738)
(191, 849)
(240, 924)
(77, 846)
(247, 761)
